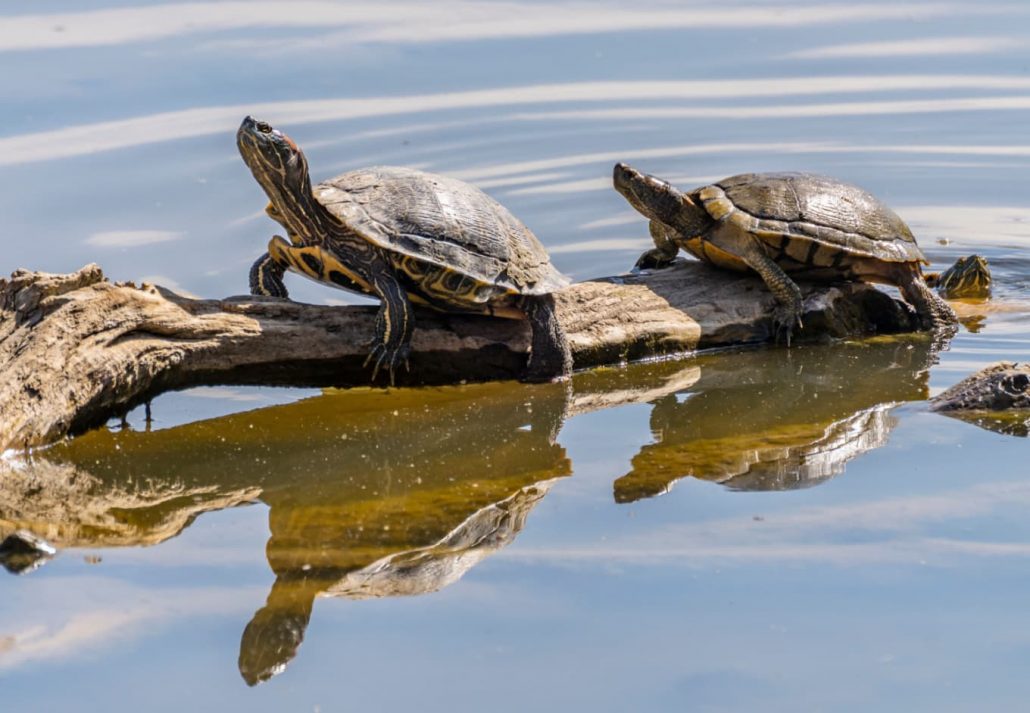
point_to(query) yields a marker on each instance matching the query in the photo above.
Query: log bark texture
(76, 349)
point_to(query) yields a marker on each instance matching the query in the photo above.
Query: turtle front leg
(266, 277)
(664, 250)
(933, 312)
(395, 323)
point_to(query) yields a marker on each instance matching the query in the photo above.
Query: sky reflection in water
(566, 550)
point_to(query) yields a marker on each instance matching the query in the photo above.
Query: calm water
(763, 530)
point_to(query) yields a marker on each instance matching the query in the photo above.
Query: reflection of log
(370, 493)
(75, 349)
(764, 423)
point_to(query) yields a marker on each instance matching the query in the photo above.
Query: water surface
(761, 529)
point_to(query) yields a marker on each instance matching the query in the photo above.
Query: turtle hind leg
(266, 277)
(550, 357)
(933, 312)
(787, 315)
(748, 249)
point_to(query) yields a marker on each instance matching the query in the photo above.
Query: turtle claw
(383, 357)
(785, 319)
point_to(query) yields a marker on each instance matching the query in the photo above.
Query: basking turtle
(777, 223)
(403, 236)
(968, 278)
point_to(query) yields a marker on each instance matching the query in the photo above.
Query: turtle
(404, 236)
(816, 227)
(968, 278)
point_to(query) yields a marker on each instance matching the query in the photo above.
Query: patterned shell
(808, 207)
(442, 221)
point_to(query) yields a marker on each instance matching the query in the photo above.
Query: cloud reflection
(889, 530)
(131, 238)
(928, 46)
(66, 626)
(444, 20)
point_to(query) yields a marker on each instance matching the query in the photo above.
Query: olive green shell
(811, 208)
(444, 222)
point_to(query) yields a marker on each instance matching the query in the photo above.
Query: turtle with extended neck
(785, 225)
(404, 236)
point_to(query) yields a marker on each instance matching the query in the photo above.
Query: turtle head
(282, 170)
(652, 197)
(968, 278)
(272, 156)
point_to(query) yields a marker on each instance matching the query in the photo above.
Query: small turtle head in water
(968, 278)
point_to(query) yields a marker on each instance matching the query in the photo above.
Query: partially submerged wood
(76, 349)
(999, 387)
(996, 398)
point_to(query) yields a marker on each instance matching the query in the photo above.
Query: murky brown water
(762, 529)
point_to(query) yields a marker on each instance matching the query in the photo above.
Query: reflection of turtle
(815, 227)
(821, 407)
(968, 278)
(403, 236)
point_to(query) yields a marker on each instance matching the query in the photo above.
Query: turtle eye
(264, 128)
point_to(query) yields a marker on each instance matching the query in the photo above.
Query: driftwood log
(996, 398)
(76, 349)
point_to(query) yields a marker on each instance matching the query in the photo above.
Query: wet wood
(77, 349)
(1004, 386)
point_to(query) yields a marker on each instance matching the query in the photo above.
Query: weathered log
(996, 398)
(76, 349)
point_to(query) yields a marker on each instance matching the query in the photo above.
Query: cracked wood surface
(76, 349)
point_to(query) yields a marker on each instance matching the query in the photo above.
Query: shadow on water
(779, 420)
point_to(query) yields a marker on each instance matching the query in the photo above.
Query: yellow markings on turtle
(709, 192)
(719, 208)
(828, 256)
(726, 260)
(797, 249)
(706, 251)
(745, 221)
(773, 238)
(262, 278)
(317, 263)
(696, 247)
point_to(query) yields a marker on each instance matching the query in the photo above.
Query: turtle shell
(798, 212)
(444, 222)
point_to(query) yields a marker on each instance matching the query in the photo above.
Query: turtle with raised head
(782, 225)
(404, 236)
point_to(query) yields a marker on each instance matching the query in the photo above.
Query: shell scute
(808, 207)
(445, 222)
